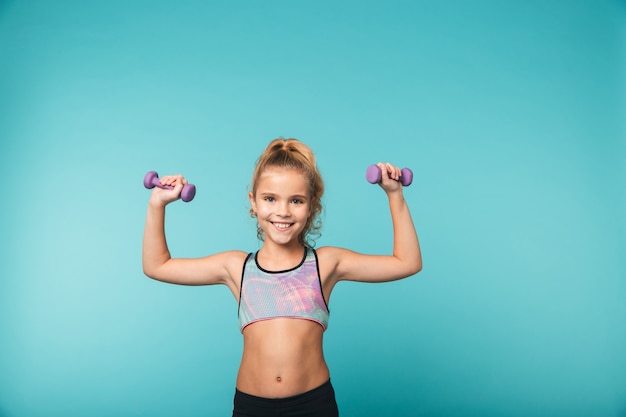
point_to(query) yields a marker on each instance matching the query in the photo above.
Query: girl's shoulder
(330, 260)
(238, 256)
(232, 260)
(331, 250)
(331, 254)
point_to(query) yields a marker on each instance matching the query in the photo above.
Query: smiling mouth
(282, 226)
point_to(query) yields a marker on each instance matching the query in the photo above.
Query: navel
(278, 379)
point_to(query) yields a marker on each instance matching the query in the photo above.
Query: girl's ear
(252, 202)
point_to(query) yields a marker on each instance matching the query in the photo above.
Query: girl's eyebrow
(273, 194)
(279, 191)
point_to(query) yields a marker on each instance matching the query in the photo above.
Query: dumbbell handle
(151, 180)
(374, 175)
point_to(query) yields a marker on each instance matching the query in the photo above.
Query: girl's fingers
(392, 171)
(172, 180)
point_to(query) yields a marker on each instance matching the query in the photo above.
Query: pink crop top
(294, 293)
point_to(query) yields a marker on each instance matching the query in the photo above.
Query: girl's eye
(270, 199)
(297, 201)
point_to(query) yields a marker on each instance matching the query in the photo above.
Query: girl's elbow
(150, 272)
(415, 268)
(410, 267)
(409, 271)
(418, 263)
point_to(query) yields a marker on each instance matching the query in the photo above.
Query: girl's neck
(280, 257)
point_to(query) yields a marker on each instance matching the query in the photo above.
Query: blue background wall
(511, 115)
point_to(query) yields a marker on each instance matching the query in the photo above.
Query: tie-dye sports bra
(294, 293)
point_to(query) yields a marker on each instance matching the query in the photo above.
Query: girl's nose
(283, 209)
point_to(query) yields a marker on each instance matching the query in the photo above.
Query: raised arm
(221, 268)
(405, 260)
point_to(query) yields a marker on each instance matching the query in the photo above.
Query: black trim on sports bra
(319, 278)
(243, 269)
(279, 272)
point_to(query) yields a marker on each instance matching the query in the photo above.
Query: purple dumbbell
(151, 180)
(374, 175)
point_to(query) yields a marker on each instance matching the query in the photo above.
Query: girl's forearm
(405, 242)
(155, 252)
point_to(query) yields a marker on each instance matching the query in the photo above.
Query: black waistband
(323, 390)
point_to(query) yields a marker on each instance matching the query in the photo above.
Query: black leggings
(319, 402)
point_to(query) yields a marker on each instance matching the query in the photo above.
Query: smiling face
(282, 204)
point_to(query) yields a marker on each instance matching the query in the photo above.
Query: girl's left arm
(406, 258)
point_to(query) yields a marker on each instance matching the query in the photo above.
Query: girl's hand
(162, 196)
(390, 178)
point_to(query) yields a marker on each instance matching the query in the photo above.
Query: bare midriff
(282, 357)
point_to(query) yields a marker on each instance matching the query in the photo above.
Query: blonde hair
(293, 154)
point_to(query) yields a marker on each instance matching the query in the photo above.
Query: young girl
(283, 289)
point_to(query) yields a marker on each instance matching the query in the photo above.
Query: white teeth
(282, 225)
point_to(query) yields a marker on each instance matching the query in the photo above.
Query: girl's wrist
(395, 194)
(156, 203)
(396, 198)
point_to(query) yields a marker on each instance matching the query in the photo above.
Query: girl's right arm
(222, 268)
